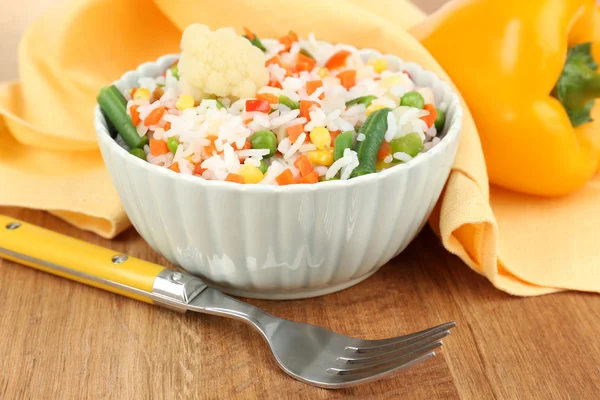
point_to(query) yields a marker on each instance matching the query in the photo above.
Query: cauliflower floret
(220, 63)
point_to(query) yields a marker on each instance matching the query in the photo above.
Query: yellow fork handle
(76, 260)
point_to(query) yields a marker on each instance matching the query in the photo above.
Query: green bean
(113, 104)
(173, 144)
(413, 99)
(289, 103)
(111, 128)
(118, 95)
(323, 179)
(411, 144)
(256, 42)
(342, 142)
(440, 121)
(263, 166)
(139, 153)
(366, 100)
(264, 140)
(306, 53)
(374, 130)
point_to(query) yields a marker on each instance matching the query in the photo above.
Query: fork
(309, 353)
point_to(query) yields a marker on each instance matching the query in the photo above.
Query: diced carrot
(249, 33)
(210, 149)
(305, 106)
(135, 115)
(268, 97)
(311, 86)
(247, 146)
(286, 41)
(303, 165)
(333, 136)
(157, 93)
(275, 84)
(175, 167)
(167, 126)
(158, 147)
(294, 131)
(290, 71)
(132, 92)
(154, 117)
(231, 177)
(430, 119)
(247, 121)
(273, 60)
(198, 170)
(338, 59)
(293, 36)
(285, 178)
(304, 63)
(313, 177)
(347, 78)
(384, 151)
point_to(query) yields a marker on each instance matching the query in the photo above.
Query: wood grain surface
(63, 340)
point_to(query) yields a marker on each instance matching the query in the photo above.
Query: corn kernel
(320, 157)
(320, 137)
(323, 72)
(189, 159)
(374, 107)
(379, 64)
(391, 81)
(250, 173)
(184, 101)
(141, 94)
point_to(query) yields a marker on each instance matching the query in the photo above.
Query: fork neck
(212, 301)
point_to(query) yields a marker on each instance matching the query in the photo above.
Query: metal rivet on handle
(13, 225)
(176, 276)
(120, 259)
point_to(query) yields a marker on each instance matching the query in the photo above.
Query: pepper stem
(579, 84)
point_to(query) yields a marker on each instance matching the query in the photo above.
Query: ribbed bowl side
(279, 242)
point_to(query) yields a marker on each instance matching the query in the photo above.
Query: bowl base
(291, 295)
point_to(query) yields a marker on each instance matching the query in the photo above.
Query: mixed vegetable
(317, 113)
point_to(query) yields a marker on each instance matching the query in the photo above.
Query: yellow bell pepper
(527, 72)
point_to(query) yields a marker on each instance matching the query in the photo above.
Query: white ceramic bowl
(283, 242)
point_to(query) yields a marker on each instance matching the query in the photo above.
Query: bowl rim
(453, 134)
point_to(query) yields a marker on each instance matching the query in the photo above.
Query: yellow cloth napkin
(49, 159)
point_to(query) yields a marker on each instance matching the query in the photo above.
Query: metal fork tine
(366, 378)
(395, 352)
(385, 344)
(375, 369)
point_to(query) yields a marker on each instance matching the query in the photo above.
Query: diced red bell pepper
(258, 105)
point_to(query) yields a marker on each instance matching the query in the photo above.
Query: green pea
(139, 153)
(263, 166)
(173, 144)
(413, 99)
(264, 140)
(289, 103)
(410, 144)
(440, 121)
(175, 71)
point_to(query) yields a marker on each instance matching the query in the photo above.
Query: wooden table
(63, 340)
